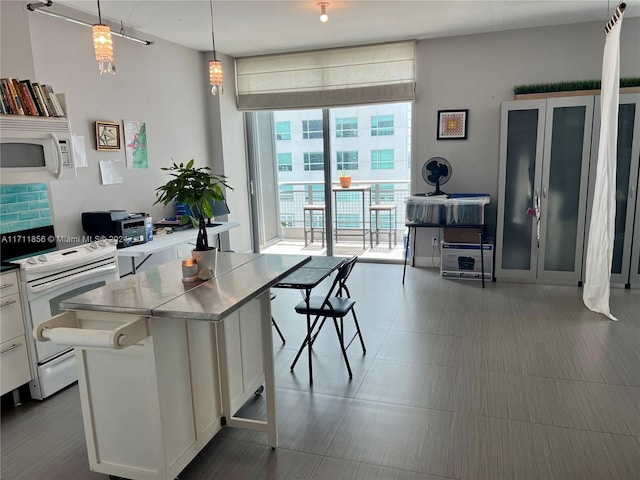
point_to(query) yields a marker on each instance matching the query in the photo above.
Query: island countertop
(160, 292)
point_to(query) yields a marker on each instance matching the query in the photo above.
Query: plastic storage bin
(465, 210)
(425, 210)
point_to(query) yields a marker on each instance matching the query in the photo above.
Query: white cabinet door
(627, 169)
(563, 201)
(521, 150)
(544, 168)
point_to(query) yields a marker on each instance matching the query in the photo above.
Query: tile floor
(513, 381)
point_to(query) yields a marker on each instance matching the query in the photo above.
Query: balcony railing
(348, 208)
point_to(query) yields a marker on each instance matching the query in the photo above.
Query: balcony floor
(379, 253)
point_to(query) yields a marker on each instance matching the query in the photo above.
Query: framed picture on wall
(108, 136)
(452, 124)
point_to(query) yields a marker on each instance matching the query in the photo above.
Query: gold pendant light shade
(215, 67)
(103, 46)
(215, 77)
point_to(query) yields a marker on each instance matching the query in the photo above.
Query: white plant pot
(206, 259)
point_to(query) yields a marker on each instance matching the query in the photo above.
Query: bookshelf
(28, 98)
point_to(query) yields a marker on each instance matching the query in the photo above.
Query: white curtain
(601, 231)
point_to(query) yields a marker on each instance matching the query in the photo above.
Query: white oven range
(46, 280)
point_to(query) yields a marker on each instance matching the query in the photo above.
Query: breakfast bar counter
(163, 365)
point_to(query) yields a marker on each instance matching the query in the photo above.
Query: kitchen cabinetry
(164, 365)
(15, 367)
(544, 166)
(625, 268)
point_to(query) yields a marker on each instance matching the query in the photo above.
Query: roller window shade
(327, 78)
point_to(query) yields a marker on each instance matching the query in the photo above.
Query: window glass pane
(346, 127)
(313, 161)
(381, 125)
(348, 220)
(386, 193)
(283, 130)
(287, 220)
(311, 129)
(382, 159)
(286, 193)
(347, 160)
(317, 192)
(285, 164)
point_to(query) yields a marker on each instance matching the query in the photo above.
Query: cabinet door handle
(544, 192)
(10, 347)
(7, 285)
(632, 192)
(8, 302)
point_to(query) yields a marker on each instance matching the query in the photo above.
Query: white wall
(478, 73)
(164, 85)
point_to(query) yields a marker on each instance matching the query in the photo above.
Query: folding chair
(334, 305)
(273, 295)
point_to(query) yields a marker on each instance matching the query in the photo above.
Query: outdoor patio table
(360, 189)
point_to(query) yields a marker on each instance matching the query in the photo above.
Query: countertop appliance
(35, 149)
(48, 276)
(127, 229)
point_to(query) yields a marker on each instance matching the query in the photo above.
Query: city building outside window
(346, 127)
(347, 160)
(382, 159)
(283, 130)
(381, 125)
(311, 129)
(313, 161)
(285, 164)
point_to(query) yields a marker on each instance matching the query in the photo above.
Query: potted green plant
(198, 189)
(345, 180)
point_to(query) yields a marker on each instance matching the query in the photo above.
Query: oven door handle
(64, 281)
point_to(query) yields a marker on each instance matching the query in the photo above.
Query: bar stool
(313, 208)
(390, 209)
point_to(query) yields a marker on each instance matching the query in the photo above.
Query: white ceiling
(251, 27)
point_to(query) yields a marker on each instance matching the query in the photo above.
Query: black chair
(336, 304)
(273, 295)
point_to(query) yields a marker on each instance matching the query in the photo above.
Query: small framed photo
(108, 136)
(452, 124)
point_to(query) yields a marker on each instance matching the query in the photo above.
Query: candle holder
(189, 270)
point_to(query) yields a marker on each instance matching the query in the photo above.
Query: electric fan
(436, 171)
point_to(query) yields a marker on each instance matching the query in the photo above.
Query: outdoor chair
(336, 304)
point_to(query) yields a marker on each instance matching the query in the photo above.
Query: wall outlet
(434, 242)
(179, 253)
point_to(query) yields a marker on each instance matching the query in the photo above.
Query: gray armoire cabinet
(548, 155)
(625, 269)
(545, 148)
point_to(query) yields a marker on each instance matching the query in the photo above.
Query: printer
(127, 229)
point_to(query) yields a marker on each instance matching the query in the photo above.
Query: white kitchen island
(164, 365)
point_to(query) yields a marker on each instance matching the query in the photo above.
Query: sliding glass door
(297, 159)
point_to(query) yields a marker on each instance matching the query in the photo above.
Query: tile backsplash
(24, 206)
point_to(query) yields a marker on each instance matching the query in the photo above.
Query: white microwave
(35, 149)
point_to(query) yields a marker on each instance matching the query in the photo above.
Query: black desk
(413, 226)
(305, 278)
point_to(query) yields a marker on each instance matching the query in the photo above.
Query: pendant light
(215, 67)
(103, 46)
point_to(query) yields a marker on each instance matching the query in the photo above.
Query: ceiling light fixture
(38, 6)
(215, 67)
(103, 45)
(323, 11)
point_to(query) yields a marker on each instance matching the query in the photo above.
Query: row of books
(24, 97)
